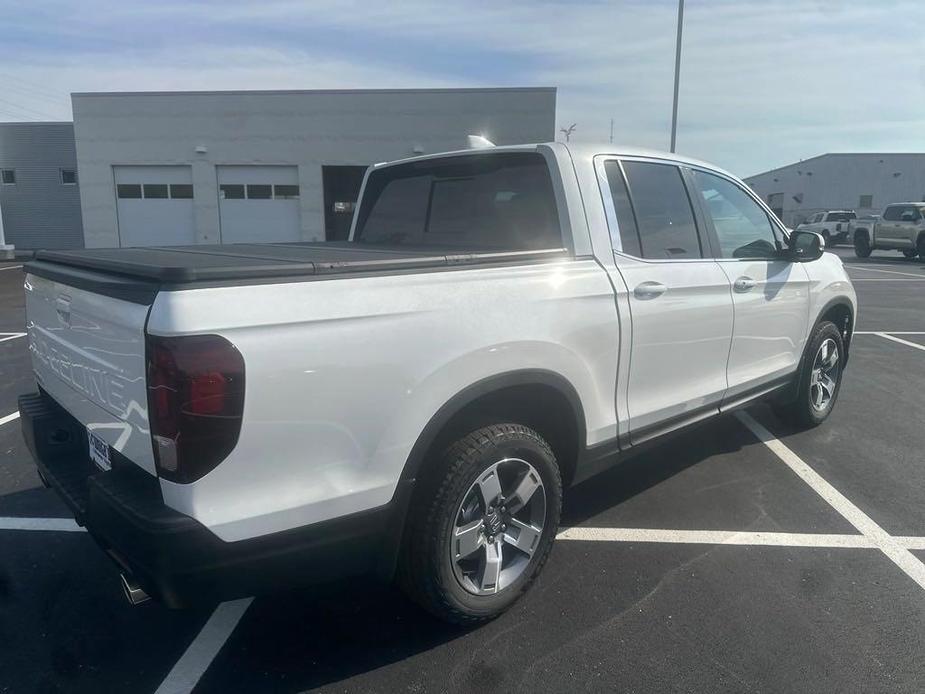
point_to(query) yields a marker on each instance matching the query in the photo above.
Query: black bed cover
(139, 271)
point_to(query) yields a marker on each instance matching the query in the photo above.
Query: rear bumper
(175, 558)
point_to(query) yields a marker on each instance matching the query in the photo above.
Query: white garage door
(259, 204)
(155, 205)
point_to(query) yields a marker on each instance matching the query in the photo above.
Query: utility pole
(568, 131)
(611, 131)
(677, 77)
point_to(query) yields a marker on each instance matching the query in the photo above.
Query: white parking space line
(889, 332)
(61, 525)
(887, 279)
(716, 537)
(901, 341)
(11, 267)
(887, 544)
(889, 272)
(202, 651)
(9, 418)
(10, 336)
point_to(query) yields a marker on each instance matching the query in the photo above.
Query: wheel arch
(538, 398)
(840, 311)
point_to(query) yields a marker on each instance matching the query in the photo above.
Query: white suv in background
(833, 225)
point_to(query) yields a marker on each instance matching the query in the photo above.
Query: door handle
(649, 290)
(743, 284)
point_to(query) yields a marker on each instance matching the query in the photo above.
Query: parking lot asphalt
(716, 562)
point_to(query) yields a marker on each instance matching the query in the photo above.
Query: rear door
(680, 302)
(770, 295)
(88, 354)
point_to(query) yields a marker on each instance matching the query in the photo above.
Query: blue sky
(763, 82)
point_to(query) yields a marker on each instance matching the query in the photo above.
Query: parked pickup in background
(833, 225)
(501, 324)
(901, 227)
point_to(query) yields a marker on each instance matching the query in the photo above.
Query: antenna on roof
(479, 142)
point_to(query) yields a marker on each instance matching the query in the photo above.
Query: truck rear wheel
(862, 247)
(483, 524)
(920, 246)
(819, 378)
(909, 253)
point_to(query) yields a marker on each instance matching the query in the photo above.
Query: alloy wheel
(824, 376)
(498, 526)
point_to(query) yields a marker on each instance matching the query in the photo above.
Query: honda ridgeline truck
(502, 324)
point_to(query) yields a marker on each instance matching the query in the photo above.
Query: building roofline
(274, 92)
(36, 122)
(834, 154)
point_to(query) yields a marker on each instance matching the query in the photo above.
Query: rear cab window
(481, 202)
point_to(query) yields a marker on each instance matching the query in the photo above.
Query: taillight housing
(195, 403)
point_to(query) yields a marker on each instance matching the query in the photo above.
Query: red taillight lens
(195, 403)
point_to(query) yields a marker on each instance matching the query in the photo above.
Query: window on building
(663, 211)
(286, 192)
(231, 191)
(155, 191)
(259, 192)
(8, 177)
(181, 191)
(128, 191)
(491, 201)
(742, 227)
(69, 177)
(866, 201)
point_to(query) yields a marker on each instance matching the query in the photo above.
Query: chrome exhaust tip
(133, 592)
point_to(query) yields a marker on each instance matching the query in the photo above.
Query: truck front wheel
(819, 378)
(862, 247)
(482, 525)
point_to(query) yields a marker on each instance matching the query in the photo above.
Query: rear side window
(663, 211)
(893, 213)
(626, 220)
(502, 201)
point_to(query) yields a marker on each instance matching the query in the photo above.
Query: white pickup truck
(411, 403)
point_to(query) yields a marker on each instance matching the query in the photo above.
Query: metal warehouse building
(39, 192)
(865, 183)
(224, 167)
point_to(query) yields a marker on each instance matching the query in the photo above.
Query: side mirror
(804, 246)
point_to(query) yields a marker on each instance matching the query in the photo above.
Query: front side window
(663, 211)
(742, 226)
(490, 201)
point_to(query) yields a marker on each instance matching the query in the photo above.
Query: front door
(679, 300)
(770, 295)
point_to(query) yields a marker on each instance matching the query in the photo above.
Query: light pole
(6, 251)
(677, 76)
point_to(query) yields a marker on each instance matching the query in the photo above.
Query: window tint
(629, 235)
(488, 201)
(259, 192)
(231, 191)
(128, 190)
(181, 191)
(663, 211)
(68, 177)
(8, 177)
(893, 213)
(155, 191)
(742, 226)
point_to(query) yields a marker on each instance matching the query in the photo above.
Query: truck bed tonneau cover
(192, 264)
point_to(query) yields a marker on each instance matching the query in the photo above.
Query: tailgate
(88, 354)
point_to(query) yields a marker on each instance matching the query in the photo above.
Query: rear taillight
(195, 403)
